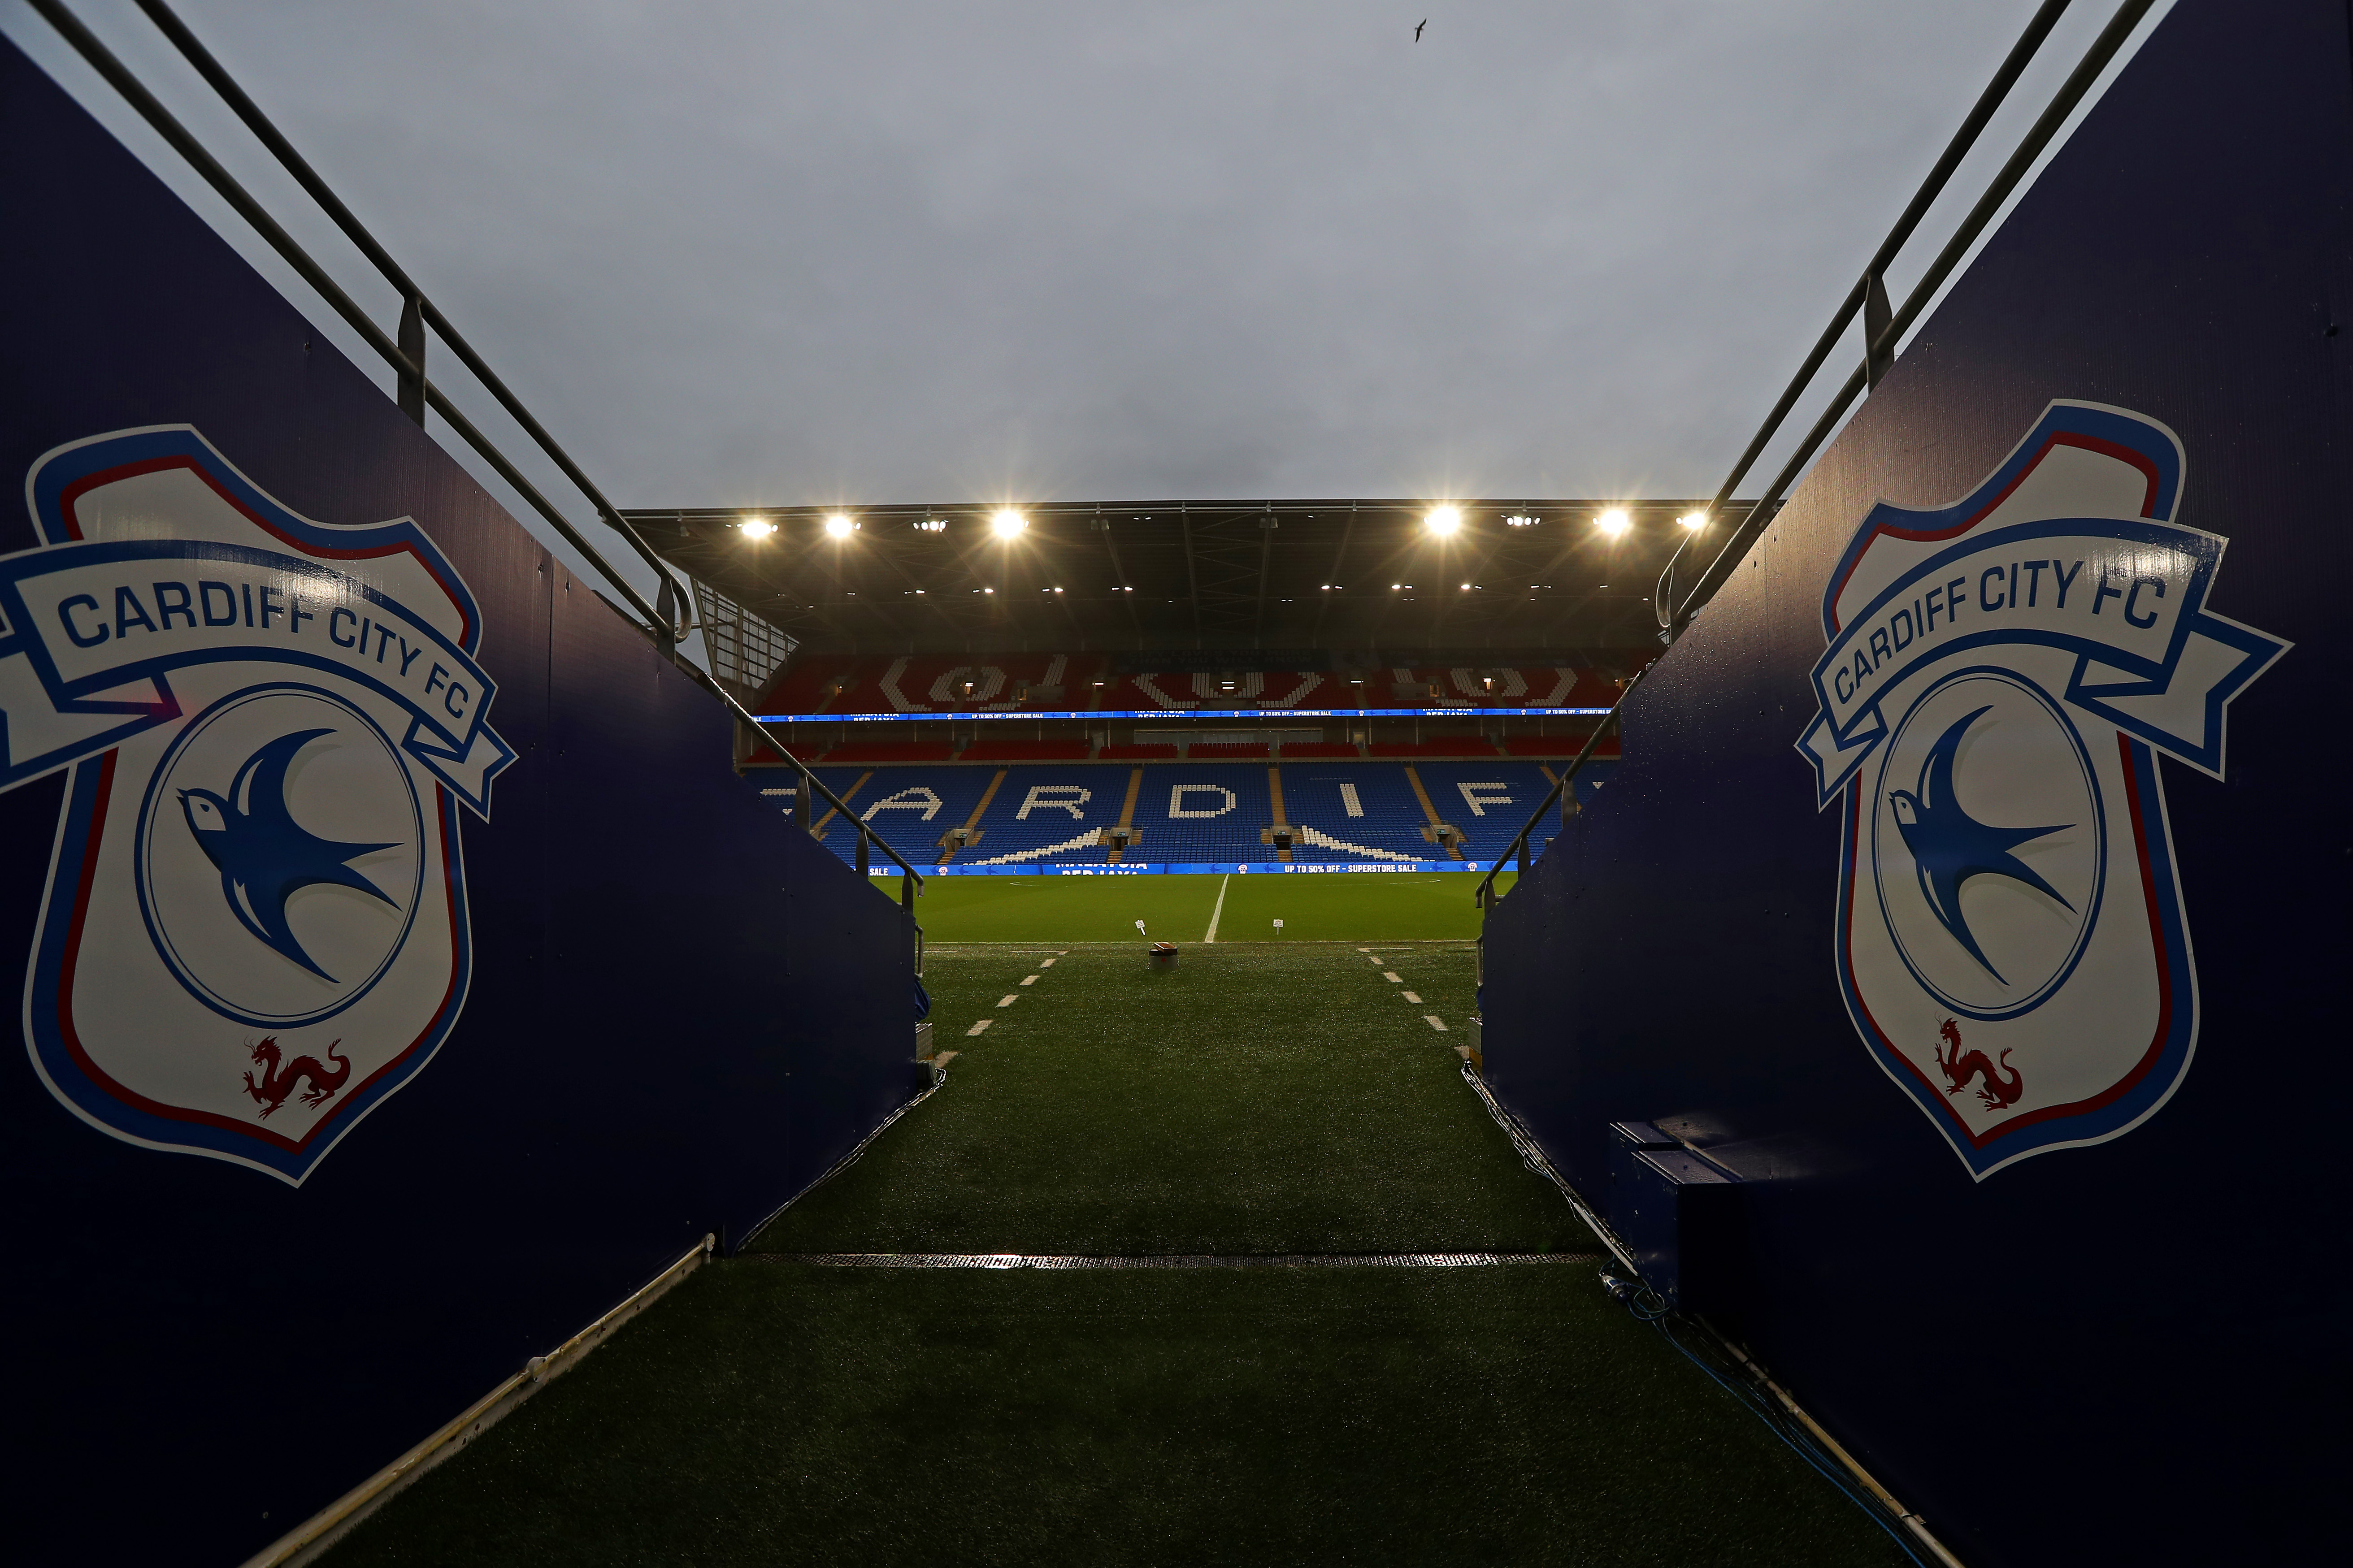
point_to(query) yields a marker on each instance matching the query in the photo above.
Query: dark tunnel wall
(630, 1005)
(2071, 1302)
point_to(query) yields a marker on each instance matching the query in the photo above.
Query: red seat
(892, 752)
(1072, 751)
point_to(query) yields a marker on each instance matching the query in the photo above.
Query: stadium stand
(1016, 682)
(914, 808)
(1229, 749)
(1367, 811)
(1345, 808)
(1050, 814)
(1308, 751)
(1487, 801)
(1195, 814)
(1140, 751)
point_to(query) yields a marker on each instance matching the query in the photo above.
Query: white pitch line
(1007, 1001)
(976, 1028)
(1433, 1020)
(1045, 963)
(1410, 997)
(1032, 980)
(1392, 976)
(1220, 910)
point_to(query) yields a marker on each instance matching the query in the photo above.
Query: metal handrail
(658, 622)
(1879, 348)
(1882, 346)
(1482, 895)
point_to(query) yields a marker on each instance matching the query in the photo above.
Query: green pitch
(1340, 906)
(1258, 1098)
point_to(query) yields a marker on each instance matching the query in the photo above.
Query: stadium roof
(1234, 575)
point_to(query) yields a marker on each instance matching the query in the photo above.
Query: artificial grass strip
(776, 1413)
(1259, 1098)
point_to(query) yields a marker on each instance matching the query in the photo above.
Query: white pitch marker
(1434, 1021)
(1045, 963)
(1410, 997)
(1214, 914)
(976, 1028)
(1278, 928)
(1032, 980)
(1007, 1001)
(1392, 976)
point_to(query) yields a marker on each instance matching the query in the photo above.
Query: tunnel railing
(661, 620)
(1883, 328)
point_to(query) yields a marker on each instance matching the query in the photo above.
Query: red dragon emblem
(1997, 1093)
(277, 1082)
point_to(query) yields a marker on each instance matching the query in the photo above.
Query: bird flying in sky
(1418, 27)
(1950, 847)
(264, 857)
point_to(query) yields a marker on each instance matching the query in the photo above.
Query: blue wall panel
(2098, 1353)
(679, 1010)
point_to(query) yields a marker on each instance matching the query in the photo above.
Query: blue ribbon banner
(87, 620)
(2125, 596)
(1259, 714)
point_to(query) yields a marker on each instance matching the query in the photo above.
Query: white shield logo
(255, 927)
(2000, 675)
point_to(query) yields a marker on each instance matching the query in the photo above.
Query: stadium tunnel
(1838, 844)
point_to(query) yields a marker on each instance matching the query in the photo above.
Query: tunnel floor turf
(1262, 1099)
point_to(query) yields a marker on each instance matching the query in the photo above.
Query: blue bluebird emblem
(263, 854)
(1950, 847)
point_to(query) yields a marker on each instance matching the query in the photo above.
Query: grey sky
(785, 253)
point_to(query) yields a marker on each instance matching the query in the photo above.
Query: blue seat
(1363, 812)
(1203, 812)
(1050, 813)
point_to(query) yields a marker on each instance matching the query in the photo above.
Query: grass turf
(1261, 1098)
(1257, 1097)
(1391, 906)
(780, 1413)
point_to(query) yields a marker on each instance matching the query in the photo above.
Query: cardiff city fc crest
(254, 929)
(2002, 677)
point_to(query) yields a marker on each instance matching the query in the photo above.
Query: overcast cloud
(867, 252)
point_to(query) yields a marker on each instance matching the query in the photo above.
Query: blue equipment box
(1679, 1217)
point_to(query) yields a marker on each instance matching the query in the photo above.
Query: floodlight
(1521, 519)
(1694, 520)
(1613, 522)
(1466, 588)
(931, 525)
(756, 527)
(1007, 523)
(1444, 520)
(837, 527)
